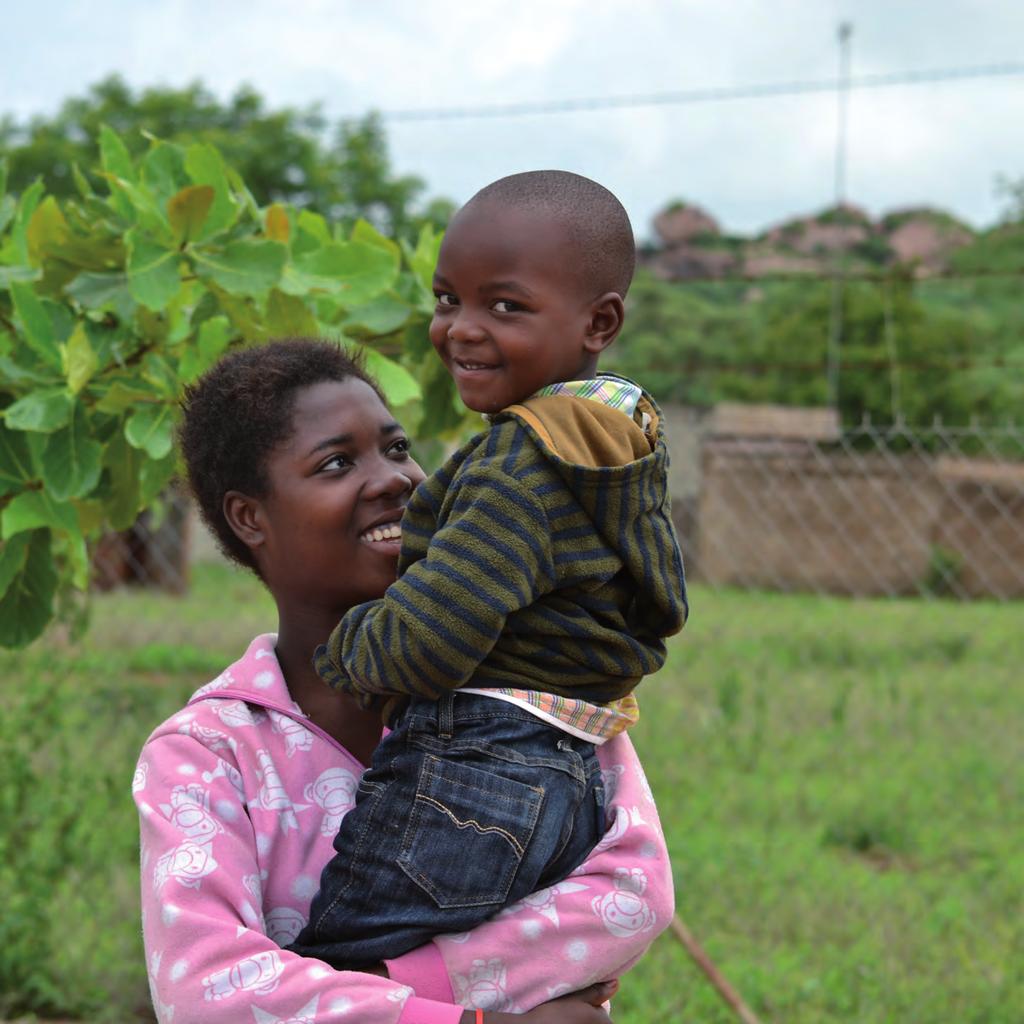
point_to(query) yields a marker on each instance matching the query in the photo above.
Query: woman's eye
(400, 447)
(334, 462)
(446, 299)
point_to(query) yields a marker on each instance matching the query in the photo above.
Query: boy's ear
(606, 317)
(245, 517)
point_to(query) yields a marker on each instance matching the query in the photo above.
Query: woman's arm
(209, 958)
(593, 926)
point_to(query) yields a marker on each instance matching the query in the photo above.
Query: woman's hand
(583, 1007)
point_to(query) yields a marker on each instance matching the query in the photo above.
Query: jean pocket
(468, 833)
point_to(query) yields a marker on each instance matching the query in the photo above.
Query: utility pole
(835, 325)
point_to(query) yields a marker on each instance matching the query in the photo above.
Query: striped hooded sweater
(540, 556)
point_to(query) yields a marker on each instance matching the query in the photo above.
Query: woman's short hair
(240, 410)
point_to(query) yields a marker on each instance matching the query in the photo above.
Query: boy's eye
(506, 306)
(446, 299)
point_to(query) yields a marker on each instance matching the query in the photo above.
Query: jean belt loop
(445, 723)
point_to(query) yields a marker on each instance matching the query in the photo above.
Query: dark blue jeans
(470, 804)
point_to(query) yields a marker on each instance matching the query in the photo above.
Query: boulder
(680, 223)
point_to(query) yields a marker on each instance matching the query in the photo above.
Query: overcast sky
(751, 163)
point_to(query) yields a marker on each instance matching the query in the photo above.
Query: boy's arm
(437, 622)
(593, 926)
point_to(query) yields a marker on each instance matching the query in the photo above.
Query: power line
(706, 95)
(879, 276)
(693, 365)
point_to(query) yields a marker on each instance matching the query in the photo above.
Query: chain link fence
(776, 499)
(786, 500)
(155, 552)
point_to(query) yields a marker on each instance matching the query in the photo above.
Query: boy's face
(511, 316)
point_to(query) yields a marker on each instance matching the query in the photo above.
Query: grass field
(840, 783)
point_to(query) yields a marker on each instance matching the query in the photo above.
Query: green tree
(911, 349)
(282, 155)
(1012, 189)
(112, 300)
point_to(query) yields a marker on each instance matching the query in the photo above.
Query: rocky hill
(691, 244)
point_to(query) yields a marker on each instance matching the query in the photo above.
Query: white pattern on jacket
(239, 798)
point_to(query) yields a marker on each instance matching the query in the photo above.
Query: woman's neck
(356, 729)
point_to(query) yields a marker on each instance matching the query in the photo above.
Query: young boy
(538, 578)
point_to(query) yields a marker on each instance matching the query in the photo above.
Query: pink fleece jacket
(239, 797)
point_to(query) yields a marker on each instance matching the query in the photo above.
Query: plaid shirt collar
(608, 389)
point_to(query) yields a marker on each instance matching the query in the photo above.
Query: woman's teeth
(390, 532)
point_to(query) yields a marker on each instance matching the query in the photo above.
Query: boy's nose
(466, 327)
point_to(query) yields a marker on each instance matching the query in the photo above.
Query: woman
(302, 473)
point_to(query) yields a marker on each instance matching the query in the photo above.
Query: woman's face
(338, 487)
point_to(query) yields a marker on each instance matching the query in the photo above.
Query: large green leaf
(27, 604)
(214, 336)
(423, 259)
(15, 461)
(364, 231)
(313, 231)
(80, 360)
(114, 156)
(116, 162)
(153, 276)
(205, 166)
(8, 205)
(163, 170)
(47, 230)
(13, 554)
(35, 322)
(147, 212)
(123, 395)
(154, 476)
(289, 316)
(248, 267)
(9, 274)
(151, 428)
(188, 209)
(32, 509)
(354, 271)
(72, 459)
(442, 411)
(416, 341)
(276, 225)
(123, 464)
(397, 383)
(44, 411)
(82, 185)
(22, 216)
(102, 290)
(15, 373)
(382, 315)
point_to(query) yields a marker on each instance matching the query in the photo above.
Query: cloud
(749, 162)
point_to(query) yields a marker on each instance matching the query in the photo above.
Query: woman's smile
(384, 534)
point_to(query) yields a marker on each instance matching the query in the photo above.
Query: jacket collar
(255, 678)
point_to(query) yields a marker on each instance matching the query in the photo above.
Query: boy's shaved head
(596, 223)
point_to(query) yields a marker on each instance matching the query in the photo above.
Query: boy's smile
(512, 313)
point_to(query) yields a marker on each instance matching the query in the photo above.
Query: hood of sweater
(617, 468)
